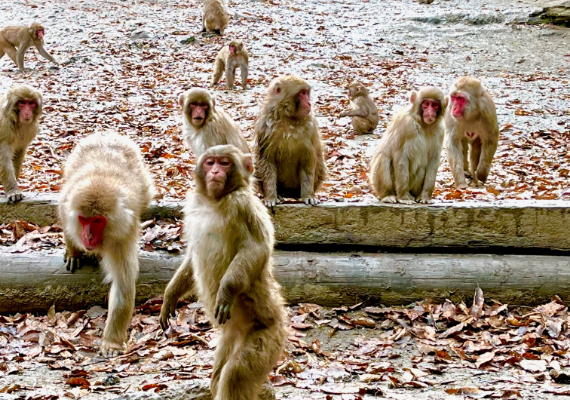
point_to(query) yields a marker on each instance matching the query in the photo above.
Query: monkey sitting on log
(229, 262)
(363, 112)
(20, 111)
(106, 187)
(16, 40)
(230, 58)
(471, 127)
(206, 125)
(289, 150)
(404, 168)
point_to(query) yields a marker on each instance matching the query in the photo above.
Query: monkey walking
(229, 263)
(16, 40)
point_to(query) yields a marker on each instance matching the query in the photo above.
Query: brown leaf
(78, 381)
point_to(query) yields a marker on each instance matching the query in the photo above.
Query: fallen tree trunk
(35, 281)
(472, 225)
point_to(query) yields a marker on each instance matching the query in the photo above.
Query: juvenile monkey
(404, 168)
(106, 187)
(16, 40)
(363, 112)
(215, 16)
(20, 111)
(229, 262)
(206, 125)
(472, 127)
(289, 151)
(231, 57)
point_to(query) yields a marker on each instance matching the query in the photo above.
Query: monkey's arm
(20, 56)
(429, 180)
(402, 177)
(181, 284)
(43, 52)
(246, 267)
(7, 173)
(354, 113)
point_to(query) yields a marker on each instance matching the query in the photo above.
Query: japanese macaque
(471, 127)
(404, 168)
(363, 112)
(206, 125)
(20, 111)
(16, 40)
(106, 187)
(229, 263)
(215, 16)
(289, 150)
(231, 57)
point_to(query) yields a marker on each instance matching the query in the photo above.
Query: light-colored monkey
(472, 130)
(229, 264)
(363, 110)
(404, 168)
(232, 56)
(106, 187)
(16, 40)
(20, 111)
(215, 17)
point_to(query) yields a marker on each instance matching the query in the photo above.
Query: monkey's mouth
(197, 120)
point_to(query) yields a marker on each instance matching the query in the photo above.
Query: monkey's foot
(461, 185)
(73, 263)
(111, 349)
(389, 199)
(267, 391)
(166, 311)
(272, 201)
(406, 201)
(312, 201)
(14, 197)
(425, 201)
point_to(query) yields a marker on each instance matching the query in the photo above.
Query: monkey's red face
(217, 169)
(198, 113)
(26, 110)
(458, 105)
(40, 33)
(304, 102)
(92, 231)
(430, 109)
(233, 49)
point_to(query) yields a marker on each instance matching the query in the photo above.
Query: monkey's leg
(243, 70)
(402, 179)
(11, 51)
(230, 77)
(466, 168)
(488, 150)
(8, 175)
(455, 157)
(246, 370)
(474, 156)
(267, 172)
(20, 57)
(121, 267)
(181, 283)
(308, 185)
(224, 351)
(429, 181)
(17, 160)
(218, 71)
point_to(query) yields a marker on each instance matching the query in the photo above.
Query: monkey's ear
(248, 162)
(181, 99)
(413, 96)
(444, 103)
(213, 105)
(277, 88)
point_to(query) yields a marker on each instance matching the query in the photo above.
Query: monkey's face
(459, 104)
(26, 110)
(217, 169)
(92, 231)
(40, 34)
(198, 113)
(233, 49)
(429, 110)
(303, 102)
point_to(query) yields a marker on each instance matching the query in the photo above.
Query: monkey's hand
(425, 200)
(389, 199)
(14, 196)
(168, 308)
(223, 308)
(312, 201)
(271, 201)
(110, 349)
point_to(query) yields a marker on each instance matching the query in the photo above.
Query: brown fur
(16, 40)
(229, 261)
(105, 175)
(289, 150)
(15, 137)
(215, 16)
(481, 119)
(363, 112)
(228, 62)
(404, 168)
(218, 127)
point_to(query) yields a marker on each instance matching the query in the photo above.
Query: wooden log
(32, 282)
(510, 224)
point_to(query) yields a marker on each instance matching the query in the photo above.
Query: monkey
(228, 262)
(289, 151)
(206, 125)
(215, 16)
(363, 112)
(20, 111)
(231, 57)
(16, 40)
(425, 1)
(106, 187)
(404, 167)
(471, 127)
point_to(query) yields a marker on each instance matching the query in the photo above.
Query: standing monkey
(229, 261)
(20, 111)
(106, 187)
(215, 17)
(231, 57)
(16, 40)
(363, 112)
(404, 168)
(472, 127)
(289, 151)
(206, 125)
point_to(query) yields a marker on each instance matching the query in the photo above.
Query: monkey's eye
(209, 161)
